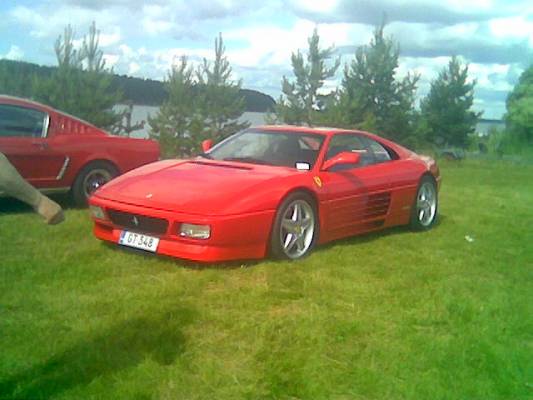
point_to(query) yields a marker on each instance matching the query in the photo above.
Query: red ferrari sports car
(277, 190)
(57, 152)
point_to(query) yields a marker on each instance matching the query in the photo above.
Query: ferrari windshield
(296, 150)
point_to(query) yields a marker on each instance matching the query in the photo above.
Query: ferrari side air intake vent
(378, 205)
(138, 223)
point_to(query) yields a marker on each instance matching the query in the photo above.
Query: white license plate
(139, 241)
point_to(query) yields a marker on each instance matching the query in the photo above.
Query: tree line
(373, 97)
(204, 101)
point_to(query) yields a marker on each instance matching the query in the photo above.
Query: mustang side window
(18, 121)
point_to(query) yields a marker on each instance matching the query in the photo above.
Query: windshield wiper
(250, 160)
(206, 155)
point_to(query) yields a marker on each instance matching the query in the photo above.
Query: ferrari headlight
(195, 231)
(97, 212)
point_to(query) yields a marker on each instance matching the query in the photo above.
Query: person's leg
(14, 185)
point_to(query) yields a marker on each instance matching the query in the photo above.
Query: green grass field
(391, 315)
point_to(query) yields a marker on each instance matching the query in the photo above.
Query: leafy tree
(519, 116)
(219, 98)
(447, 117)
(373, 97)
(202, 104)
(177, 116)
(299, 102)
(81, 85)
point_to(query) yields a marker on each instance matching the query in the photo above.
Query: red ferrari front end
(188, 236)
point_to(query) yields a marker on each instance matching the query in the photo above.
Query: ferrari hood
(202, 187)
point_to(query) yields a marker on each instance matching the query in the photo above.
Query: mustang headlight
(97, 212)
(195, 231)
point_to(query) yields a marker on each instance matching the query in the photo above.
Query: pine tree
(519, 116)
(81, 85)
(373, 97)
(446, 112)
(299, 102)
(219, 99)
(178, 115)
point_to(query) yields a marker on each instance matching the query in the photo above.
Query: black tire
(90, 178)
(420, 221)
(304, 237)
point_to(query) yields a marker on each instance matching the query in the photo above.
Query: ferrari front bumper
(233, 237)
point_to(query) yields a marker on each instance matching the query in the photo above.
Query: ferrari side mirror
(345, 157)
(206, 145)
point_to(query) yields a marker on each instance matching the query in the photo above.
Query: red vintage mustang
(268, 190)
(57, 152)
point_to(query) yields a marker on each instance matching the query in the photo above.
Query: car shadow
(371, 236)
(124, 345)
(238, 264)
(181, 262)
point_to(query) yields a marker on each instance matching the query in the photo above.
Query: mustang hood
(202, 187)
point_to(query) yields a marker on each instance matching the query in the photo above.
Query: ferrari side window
(379, 153)
(350, 143)
(18, 121)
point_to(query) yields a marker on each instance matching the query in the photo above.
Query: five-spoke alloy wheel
(295, 228)
(425, 209)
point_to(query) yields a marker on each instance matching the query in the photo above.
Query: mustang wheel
(295, 228)
(425, 209)
(90, 178)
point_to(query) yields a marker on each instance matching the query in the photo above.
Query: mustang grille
(138, 222)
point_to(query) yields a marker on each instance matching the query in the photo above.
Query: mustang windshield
(296, 150)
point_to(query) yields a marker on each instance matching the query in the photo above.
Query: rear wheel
(295, 228)
(425, 208)
(90, 178)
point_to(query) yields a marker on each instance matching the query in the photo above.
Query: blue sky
(143, 38)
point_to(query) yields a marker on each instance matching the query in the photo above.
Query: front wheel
(90, 178)
(295, 228)
(425, 208)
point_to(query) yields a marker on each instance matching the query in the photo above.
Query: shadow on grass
(123, 346)
(9, 205)
(371, 236)
(182, 262)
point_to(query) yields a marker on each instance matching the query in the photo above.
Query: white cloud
(109, 39)
(110, 60)
(156, 19)
(47, 22)
(14, 53)
(272, 45)
(513, 27)
(133, 68)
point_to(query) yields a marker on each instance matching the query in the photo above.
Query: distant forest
(16, 79)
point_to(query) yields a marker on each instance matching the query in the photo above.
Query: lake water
(141, 113)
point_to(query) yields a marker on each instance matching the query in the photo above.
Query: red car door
(357, 196)
(25, 142)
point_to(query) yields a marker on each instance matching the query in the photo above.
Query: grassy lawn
(391, 315)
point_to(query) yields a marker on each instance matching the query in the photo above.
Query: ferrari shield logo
(318, 181)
